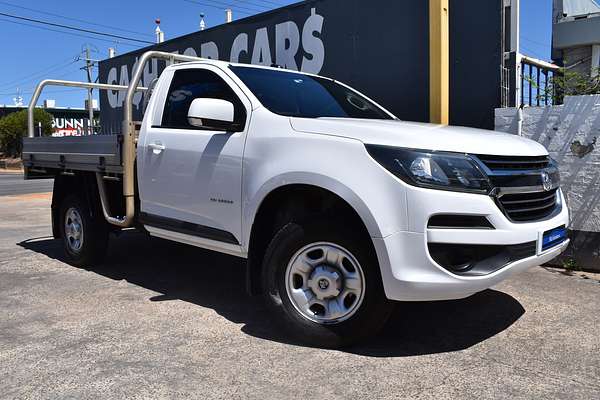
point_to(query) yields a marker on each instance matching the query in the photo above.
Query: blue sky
(30, 53)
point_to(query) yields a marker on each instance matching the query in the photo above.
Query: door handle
(157, 147)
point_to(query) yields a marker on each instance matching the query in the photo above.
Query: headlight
(432, 169)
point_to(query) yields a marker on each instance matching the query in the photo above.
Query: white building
(576, 34)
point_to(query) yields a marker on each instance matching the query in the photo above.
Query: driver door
(190, 178)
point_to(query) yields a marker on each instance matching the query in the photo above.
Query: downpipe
(520, 120)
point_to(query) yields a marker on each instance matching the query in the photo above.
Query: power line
(535, 53)
(45, 91)
(30, 89)
(232, 4)
(61, 64)
(251, 3)
(67, 33)
(269, 5)
(37, 21)
(535, 42)
(250, 7)
(214, 6)
(265, 1)
(221, 6)
(38, 77)
(73, 19)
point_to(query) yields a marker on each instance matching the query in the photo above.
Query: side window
(190, 84)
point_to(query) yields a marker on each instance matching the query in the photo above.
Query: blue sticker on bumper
(553, 238)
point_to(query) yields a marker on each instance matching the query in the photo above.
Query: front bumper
(409, 272)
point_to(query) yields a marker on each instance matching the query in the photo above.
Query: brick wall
(581, 57)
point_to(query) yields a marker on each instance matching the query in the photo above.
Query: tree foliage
(572, 83)
(566, 82)
(13, 128)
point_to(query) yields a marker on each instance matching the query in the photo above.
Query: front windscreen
(297, 95)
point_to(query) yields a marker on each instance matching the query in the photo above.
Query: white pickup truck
(339, 207)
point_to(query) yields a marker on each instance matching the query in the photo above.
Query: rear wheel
(84, 235)
(324, 284)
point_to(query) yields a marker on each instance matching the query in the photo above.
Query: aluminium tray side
(84, 153)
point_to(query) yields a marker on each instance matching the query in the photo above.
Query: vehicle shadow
(216, 281)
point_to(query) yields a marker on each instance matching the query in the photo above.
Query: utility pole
(89, 66)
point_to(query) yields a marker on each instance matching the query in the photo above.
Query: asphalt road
(163, 320)
(12, 183)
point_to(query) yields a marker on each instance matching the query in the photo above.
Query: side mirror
(211, 114)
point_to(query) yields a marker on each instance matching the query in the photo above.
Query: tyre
(323, 284)
(85, 237)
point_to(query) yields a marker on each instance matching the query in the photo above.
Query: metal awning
(578, 8)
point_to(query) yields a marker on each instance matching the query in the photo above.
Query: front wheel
(84, 235)
(324, 284)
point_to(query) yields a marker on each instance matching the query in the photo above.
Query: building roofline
(244, 20)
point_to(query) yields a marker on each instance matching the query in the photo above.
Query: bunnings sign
(65, 122)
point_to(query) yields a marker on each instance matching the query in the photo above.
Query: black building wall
(380, 47)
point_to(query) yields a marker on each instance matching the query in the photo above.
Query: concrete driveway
(162, 320)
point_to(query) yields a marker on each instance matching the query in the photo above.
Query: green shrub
(572, 83)
(570, 264)
(13, 128)
(566, 82)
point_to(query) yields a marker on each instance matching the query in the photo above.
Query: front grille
(510, 163)
(526, 207)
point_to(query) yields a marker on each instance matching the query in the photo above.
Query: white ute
(338, 206)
